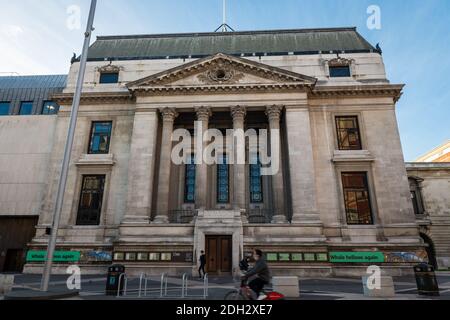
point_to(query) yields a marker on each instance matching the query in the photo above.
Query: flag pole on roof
(224, 27)
(68, 151)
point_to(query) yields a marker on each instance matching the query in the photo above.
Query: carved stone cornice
(339, 62)
(221, 73)
(169, 114)
(274, 112)
(94, 98)
(384, 90)
(109, 68)
(203, 113)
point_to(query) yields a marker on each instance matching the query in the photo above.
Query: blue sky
(414, 36)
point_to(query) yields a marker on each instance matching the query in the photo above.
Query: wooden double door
(219, 255)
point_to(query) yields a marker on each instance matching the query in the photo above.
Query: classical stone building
(342, 186)
(429, 179)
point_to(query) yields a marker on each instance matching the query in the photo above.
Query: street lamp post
(68, 151)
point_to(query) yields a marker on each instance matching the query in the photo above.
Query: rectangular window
(108, 77)
(223, 180)
(26, 108)
(189, 180)
(348, 133)
(100, 138)
(50, 107)
(91, 198)
(340, 72)
(256, 190)
(356, 198)
(4, 108)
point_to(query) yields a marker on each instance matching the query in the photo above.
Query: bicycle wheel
(234, 296)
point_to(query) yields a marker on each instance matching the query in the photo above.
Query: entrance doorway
(219, 255)
(430, 250)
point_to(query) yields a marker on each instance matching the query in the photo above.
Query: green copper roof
(272, 42)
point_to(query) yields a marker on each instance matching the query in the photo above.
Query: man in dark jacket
(202, 264)
(261, 273)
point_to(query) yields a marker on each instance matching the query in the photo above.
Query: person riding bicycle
(261, 274)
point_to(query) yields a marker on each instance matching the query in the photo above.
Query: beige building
(429, 179)
(342, 186)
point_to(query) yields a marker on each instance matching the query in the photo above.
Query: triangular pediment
(221, 71)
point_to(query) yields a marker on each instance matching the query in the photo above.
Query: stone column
(165, 163)
(141, 166)
(238, 113)
(279, 214)
(301, 162)
(201, 173)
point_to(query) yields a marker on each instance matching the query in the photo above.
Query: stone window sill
(352, 155)
(96, 160)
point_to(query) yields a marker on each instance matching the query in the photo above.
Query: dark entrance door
(219, 255)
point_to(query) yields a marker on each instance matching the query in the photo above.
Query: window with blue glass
(189, 181)
(340, 72)
(256, 191)
(109, 77)
(26, 108)
(100, 138)
(223, 180)
(50, 107)
(4, 108)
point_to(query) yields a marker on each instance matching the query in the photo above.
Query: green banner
(356, 257)
(59, 256)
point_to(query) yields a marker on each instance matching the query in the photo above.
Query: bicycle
(244, 293)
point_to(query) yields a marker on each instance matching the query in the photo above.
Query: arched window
(416, 195)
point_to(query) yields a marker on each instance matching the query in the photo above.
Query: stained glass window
(223, 180)
(189, 181)
(91, 198)
(256, 191)
(100, 138)
(356, 196)
(348, 133)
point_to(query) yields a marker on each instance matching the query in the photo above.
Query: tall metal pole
(68, 151)
(224, 24)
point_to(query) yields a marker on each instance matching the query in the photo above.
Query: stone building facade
(342, 185)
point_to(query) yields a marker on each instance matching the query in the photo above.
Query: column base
(161, 220)
(279, 219)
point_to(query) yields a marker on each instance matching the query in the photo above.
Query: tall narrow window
(50, 107)
(109, 77)
(256, 191)
(4, 108)
(356, 197)
(223, 180)
(26, 108)
(348, 133)
(416, 195)
(189, 180)
(100, 138)
(91, 199)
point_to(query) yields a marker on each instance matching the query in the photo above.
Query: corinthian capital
(238, 113)
(169, 114)
(203, 113)
(274, 112)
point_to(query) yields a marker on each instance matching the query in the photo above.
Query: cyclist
(260, 274)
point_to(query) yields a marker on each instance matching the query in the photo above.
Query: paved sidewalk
(93, 288)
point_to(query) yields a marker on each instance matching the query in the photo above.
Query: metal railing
(259, 216)
(181, 216)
